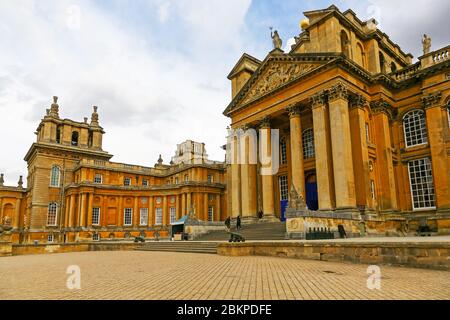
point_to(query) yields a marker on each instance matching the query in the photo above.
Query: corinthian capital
(317, 100)
(431, 100)
(265, 122)
(338, 91)
(358, 101)
(293, 110)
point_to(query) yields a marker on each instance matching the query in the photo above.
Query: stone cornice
(68, 149)
(431, 100)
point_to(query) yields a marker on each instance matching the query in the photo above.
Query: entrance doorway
(284, 196)
(312, 199)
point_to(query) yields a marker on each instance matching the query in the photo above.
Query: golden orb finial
(304, 23)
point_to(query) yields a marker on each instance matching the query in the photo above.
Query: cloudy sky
(156, 68)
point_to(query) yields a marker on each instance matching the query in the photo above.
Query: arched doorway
(312, 199)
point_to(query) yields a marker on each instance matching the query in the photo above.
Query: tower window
(415, 128)
(74, 140)
(55, 177)
(58, 135)
(421, 183)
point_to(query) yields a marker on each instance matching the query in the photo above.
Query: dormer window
(74, 140)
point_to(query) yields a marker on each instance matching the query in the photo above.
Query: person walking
(228, 223)
(238, 223)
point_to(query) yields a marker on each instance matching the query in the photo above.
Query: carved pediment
(275, 76)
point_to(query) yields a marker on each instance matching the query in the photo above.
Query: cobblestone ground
(172, 276)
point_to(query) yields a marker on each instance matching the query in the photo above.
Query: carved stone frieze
(277, 75)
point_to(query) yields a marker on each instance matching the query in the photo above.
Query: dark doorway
(312, 199)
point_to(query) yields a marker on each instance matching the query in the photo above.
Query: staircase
(256, 231)
(180, 246)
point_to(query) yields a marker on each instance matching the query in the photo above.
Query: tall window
(54, 177)
(143, 221)
(74, 140)
(186, 178)
(95, 216)
(52, 214)
(158, 216)
(127, 182)
(173, 214)
(210, 213)
(98, 178)
(145, 183)
(210, 178)
(128, 217)
(176, 180)
(283, 151)
(415, 128)
(284, 191)
(421, 183)
(308, 144)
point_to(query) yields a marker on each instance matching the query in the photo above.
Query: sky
(155, 68)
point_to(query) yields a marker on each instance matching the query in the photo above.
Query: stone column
(217, 209)
(248, 154)
(437, 126)
(16, 223)
(235, 179)
(183, 204)
(71, 210)
(120, 213)
(82, 210)
(90, 206)
(267, 178)
(188, 202)
(136, 213)
(360, 152)
(164, 222)
(324, 163)
(344, 180)
(387, 195)
(178, 208)
(297, 165)
(205, 206)
(151, 211)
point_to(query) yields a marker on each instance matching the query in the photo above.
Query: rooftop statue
(426, 41)
(277, 42)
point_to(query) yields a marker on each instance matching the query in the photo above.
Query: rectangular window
(50, 238)
(128, 217)
(95, 216)
(284, 190)
(98, 178)
(173, 215)
(158, 216)
(145, 183)
(210, 197)
(283, 151)
(96, 237)
(186, 178)
(127, 182)
(210, 213)
(422, 185)
(176, 180)
(143, 221)
(210, 178)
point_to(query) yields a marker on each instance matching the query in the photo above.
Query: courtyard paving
(186, 276)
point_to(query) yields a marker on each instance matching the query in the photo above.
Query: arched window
(54, 177)
(344, 43)
(359, 56)
(308, 144)
(52, 214)
(415, 128)
(74, 140)
(393, 67)
(283, 151)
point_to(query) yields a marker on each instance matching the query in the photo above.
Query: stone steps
(179, 246)
(257, 231)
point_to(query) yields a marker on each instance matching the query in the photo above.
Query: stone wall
(28, 249)
(433, 255)
(5, 248)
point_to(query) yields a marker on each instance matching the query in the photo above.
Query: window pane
(308, 144)
(284, 190)
(415, 128)
(143, 217)
(422, 185)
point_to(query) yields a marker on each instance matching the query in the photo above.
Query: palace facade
(75, 193)
(364, 131)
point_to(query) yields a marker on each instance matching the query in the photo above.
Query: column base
(350, 212)
(249, 220)
(269, 218)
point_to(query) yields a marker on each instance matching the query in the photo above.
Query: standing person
(228, 223)
(238, 223)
